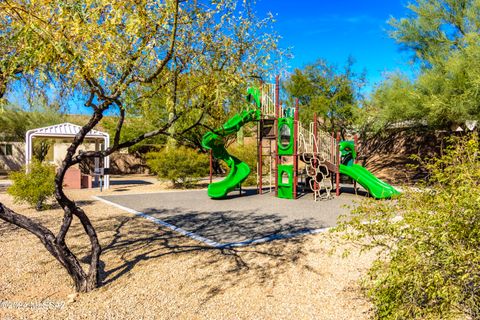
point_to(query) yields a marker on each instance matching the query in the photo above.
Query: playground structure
(296, 155)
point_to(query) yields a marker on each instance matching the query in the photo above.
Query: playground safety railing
(323, 145)
(268, 100)
(305, 140)
(326, 146)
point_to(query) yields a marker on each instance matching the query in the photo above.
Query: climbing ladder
(265, 169)
(318, 151)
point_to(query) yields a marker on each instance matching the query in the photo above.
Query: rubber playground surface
(236, 220)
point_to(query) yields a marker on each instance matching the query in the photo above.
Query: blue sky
(334, 30)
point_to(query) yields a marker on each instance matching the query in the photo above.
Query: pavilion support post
(28, 150)
(96, 171)
(106, 163)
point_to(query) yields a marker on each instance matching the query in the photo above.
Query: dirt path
(152, 273)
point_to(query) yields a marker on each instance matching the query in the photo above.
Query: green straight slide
(239, 170)
(377, 188)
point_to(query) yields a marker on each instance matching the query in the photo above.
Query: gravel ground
(150, 272)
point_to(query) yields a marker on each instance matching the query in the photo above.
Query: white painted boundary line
(162, 223)
(152, 192)
(207, 241)
(272, 238)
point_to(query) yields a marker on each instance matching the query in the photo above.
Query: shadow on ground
(234, 226)
(137, 241)
(81, 203)
(124, 182)
(6, 227)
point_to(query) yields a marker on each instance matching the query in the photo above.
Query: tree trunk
(57, 249)
(84, 282)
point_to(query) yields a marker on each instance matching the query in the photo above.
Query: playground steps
(266, 150)
(266, 174)
(306, 158)
(267, 129)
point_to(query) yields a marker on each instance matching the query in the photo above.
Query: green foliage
(450, 90)
(394, 101)
(41, 147)
(161, 60)
(34, 187)
(329, 91)
(443, 35)
(15, 121)
(444, 95)
(181, 165)
(436, 28)
(429, 263)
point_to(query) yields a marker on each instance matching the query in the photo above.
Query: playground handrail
(268, 99)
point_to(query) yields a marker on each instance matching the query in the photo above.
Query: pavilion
(63, 131)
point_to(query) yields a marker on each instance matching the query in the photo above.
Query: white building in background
(63, 134)
(12, 156)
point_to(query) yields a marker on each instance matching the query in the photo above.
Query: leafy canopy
(15, 121)
(436, 28)
(444, 39)
(329, 91)
(118, 52)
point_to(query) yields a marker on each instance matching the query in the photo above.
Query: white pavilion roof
(64, 130)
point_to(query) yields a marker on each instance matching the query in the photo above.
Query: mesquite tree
(117, 56)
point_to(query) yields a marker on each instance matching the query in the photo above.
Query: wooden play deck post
(260, 146)
(338, 165)
(277, 114)
(315, 146)
(260, 160)
(295, 150)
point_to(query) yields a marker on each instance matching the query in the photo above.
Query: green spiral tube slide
(215, 141)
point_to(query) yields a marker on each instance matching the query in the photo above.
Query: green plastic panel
(348, 153)
(285, 136)
(285, 181)
(377, 188)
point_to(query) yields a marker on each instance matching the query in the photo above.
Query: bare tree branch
(164, 131)
(121, 120)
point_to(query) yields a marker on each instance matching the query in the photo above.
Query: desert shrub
(247, 153)
(34, 187)
(429, 263)
(181, 165)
